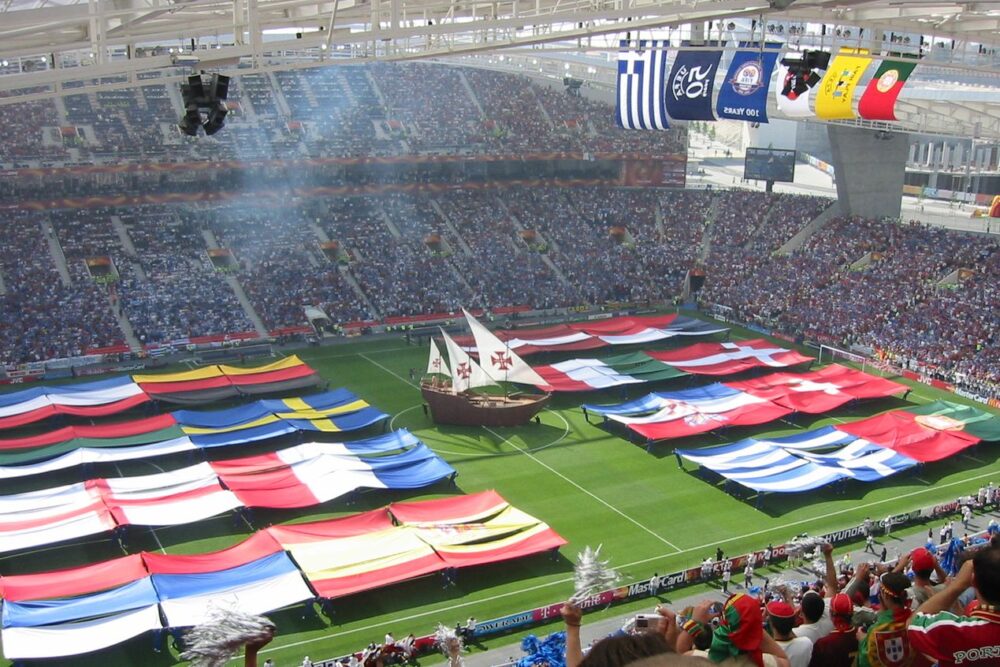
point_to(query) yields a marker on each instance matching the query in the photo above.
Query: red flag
(879, 99)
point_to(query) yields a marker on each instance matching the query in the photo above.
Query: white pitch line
(544, 465)
(581, 488)
(973, 458)
(320, 355)
(151, 528)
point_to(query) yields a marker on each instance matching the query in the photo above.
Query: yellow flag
(836, 90)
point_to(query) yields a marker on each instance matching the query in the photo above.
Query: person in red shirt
(840, 647)
(951, 639)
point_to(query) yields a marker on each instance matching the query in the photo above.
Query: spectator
(953, 639)
(617, 651)
(885, 642)
(780, 621)
(839, 647)
(740, 638)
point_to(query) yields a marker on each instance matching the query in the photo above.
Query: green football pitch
(593, 487)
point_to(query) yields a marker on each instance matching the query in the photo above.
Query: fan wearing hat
(740, 640)
(780, 621)
(953, 639)
(839, 648)
(924, 565)
(885, 644)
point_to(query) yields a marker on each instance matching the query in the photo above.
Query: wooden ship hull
(470, 409)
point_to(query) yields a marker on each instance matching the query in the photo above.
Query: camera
(648, 622)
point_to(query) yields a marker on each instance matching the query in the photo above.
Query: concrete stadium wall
(870, 167)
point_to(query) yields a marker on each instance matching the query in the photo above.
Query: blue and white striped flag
(641, 84)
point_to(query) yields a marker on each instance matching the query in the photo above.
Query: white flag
(436, 364)
(792, 92)
(465, 373)
(497, 359)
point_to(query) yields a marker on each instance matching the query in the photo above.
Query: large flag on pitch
(641, 78)
(689, 94)
(743, 95)
(879, 99)
(836, 91)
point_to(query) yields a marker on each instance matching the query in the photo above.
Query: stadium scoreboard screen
(769, 164)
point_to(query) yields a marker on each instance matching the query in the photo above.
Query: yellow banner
(281, 364)
(184, 376)
(836, 91)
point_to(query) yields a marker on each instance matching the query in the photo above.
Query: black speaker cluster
(204, 104)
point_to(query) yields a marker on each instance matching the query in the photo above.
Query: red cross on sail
(502, 361)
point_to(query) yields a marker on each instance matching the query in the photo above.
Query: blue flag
(641, 77)
(743, 95)
(689, 89)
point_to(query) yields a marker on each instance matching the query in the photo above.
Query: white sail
(497, 359)
(436, 364)
(465, 372)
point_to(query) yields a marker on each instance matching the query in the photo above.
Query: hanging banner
(879, 99)
(743, 94)
(836, 91)
(640, 85)
(689, 87)
(792, 98)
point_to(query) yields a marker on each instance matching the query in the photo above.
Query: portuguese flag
(927, 432)
(879, 99)
(975, 422)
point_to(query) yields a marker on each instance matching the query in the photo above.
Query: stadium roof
(48, 44)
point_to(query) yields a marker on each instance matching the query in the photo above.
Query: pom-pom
(448, 641)
(223, 635)
(786, 589)
(551, 651)
(591, 575)
(802, 545)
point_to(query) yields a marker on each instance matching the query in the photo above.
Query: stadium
(342, 332)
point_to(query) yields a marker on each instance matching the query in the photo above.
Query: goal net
(829, 354)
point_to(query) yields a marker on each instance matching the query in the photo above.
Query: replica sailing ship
(450, 389)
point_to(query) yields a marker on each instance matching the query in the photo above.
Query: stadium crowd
(378, 109)
(922, 298)
(856, 282)
(870, 615)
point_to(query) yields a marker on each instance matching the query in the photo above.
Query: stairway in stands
(58, 257)
(803, 235)
(472, 94)
(234, 284)
(556, 271)
(706, 238)
(462, 245)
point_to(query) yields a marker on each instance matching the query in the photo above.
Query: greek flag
(641, 83)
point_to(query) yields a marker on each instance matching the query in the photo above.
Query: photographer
(740, 640)
(618, 650)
